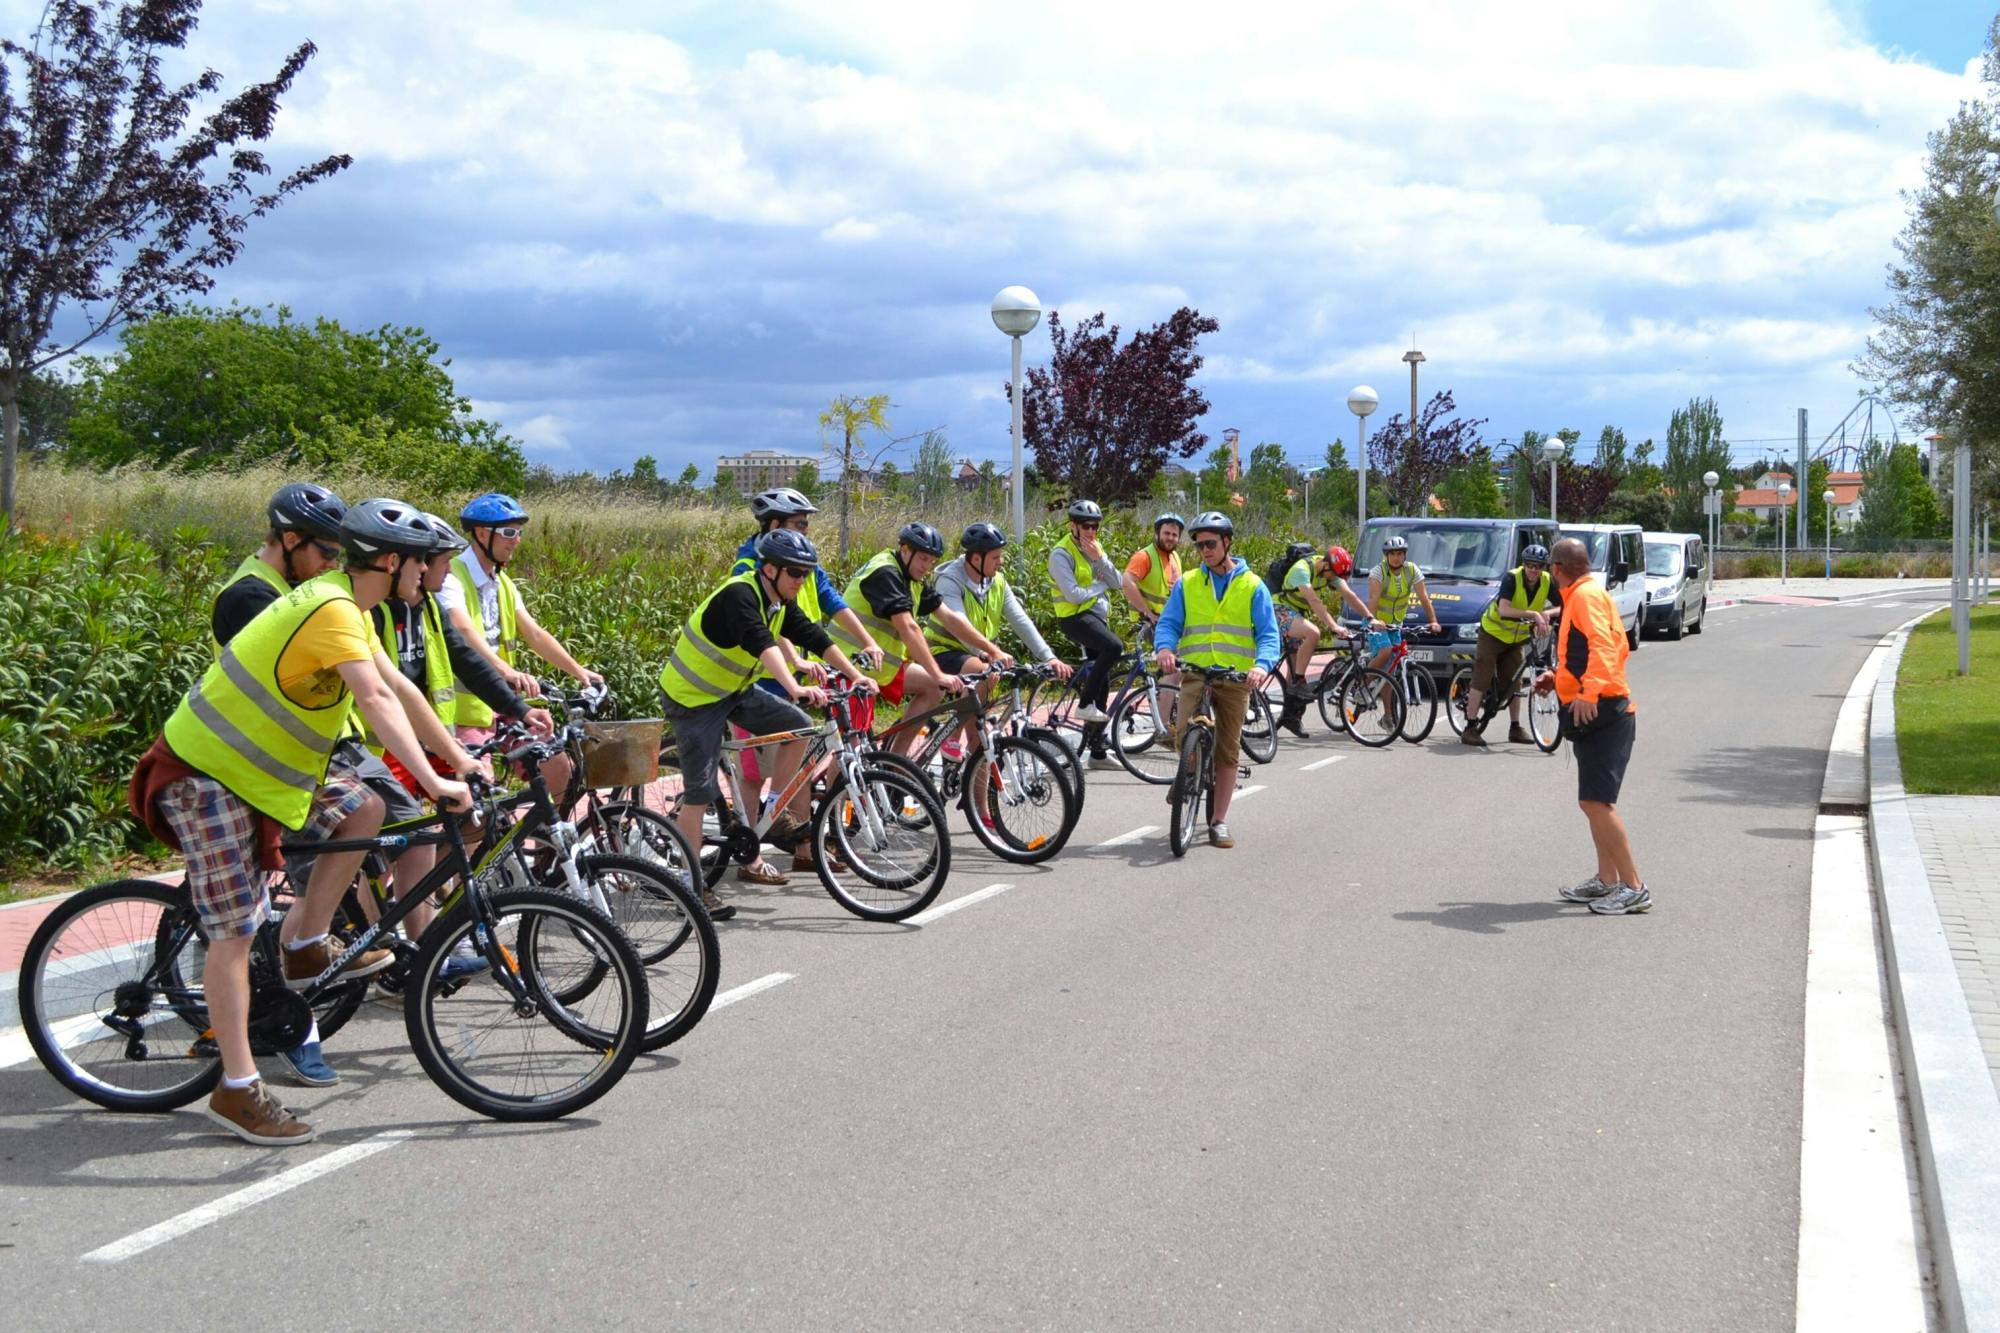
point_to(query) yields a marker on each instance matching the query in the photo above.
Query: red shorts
(408, 779)
(863, 709)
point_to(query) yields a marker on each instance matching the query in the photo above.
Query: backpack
(1274, 577)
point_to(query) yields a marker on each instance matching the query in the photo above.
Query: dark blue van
(1463, 560)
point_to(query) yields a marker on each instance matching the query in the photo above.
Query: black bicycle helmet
(921, 537)
(780, 502)
(1536, 554)
(305, 508)
(446, 536)
(782, 546)
(1169, 517)
(1085, 511)
(982, 537)
(375, 526)
(1213, 521)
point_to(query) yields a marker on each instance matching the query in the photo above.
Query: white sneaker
(1092, 713)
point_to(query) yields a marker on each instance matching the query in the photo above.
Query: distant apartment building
(761, 469)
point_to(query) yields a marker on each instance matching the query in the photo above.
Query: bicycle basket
(622, 754)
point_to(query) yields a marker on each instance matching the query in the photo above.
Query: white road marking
(924, 918)
(196, 1218)
(747, 989)
(1131, 836)
(1321, 763)
(1241, 792)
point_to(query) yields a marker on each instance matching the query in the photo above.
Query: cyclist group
(363, 652)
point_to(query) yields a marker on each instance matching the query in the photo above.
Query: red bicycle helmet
(1339, 561)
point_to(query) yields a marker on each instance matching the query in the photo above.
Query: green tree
(1267, 479)
(1522, 459)
(889, 478)
(807, 483)
(930, 474)
(1694, 447)
(1334, 493)
(989, 482)
(841, 426)
(1472, 489)
(1613, 455)
(202, 389)
(1214, 485)
(1897, 503)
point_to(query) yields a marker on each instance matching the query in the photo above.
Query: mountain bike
(112, 1001)
(1543, 710)
(1366, 702)
(1142, 722)
(1192, 794)
(1411, 685)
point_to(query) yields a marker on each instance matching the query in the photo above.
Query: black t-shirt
(239, 604)
(887, 591)
(404, 628)
(1510, 591)
(736, 619)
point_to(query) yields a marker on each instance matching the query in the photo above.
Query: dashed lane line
(1131, 836)
(1321, 763)
(747, 989)
(924, 918)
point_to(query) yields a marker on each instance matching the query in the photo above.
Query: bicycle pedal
(1243, 770)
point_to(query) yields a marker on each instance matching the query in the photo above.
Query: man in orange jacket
(1598, 718)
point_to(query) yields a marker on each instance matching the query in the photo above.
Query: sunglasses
(1207, 544)
(1089, 527)
(509, 533)
(790, 572)
(327, 550)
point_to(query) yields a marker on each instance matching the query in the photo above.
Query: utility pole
(1415, 358)
(1799, 485)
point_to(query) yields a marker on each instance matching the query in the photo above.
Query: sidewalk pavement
(1959, 837)
(1728, 592)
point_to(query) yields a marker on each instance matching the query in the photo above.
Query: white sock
(304, 943)
(237, 1084)
(312, 1034)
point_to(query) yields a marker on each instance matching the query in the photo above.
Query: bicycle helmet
(1536, 554)
(1339, 561)
(492, 509)
(1169, 517)
(375, 526)
(446, 536)
(921, 537)
(982, 537)
(1394, 544)
(1085, 511)
(302, 507)
(780, 502)
(1212, 521)
(782, 546)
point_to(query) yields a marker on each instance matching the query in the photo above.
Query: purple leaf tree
(1415, 467)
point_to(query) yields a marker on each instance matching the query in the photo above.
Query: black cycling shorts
(1601, 756)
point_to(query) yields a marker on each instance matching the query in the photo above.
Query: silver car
(1676, 583)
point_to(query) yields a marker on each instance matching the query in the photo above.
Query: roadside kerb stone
(1954, 1108)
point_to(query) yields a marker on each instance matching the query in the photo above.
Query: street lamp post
(1016, 311)
(1362, 402)
(1709, 479)
(1827, 496)
(1552, 450)
(1784, 502)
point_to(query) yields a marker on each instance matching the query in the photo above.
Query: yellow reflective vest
(471, 711)
(701, 672)
(1157, 584)
(894, 654)
(1516, 631)
(1219, 633)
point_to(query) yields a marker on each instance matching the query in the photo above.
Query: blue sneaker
(462, 963)
(307, 1066)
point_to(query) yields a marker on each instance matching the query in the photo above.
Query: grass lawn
(1947, 725)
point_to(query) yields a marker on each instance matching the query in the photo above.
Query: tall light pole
(1961, 552)
(1784, 501)
(1362, 402)
(1827, 496)
(1415, 359)
(1016, 311)
(1552, 450)
(1310, 473)
(1709, 479)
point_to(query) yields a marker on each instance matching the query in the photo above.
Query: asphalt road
(1364, 1071)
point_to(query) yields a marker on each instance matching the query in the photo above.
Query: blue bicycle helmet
(491, 509)
(982, 537)
(1169, 517)
(921, 537)
(1536, 554)
(782, 546)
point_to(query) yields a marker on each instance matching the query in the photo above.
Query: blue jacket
(830, 600)
(1263, 613)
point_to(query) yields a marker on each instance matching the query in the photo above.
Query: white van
(1618, 552)
(1676, 583)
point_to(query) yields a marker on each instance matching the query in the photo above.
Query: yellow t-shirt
(309, 667)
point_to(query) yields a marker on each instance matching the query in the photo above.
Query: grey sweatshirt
(953, 581)
(1062, 568)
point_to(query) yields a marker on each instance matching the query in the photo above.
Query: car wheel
(1676, 627)
(1632, 635)
(1700, 618)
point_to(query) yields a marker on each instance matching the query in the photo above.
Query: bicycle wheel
(1420, 706)
(1544, 714)
(1260, 730)
(1143, 740)
(111, 1000)
(1454, 700)
(500, 1043)
(1327, 692)
(891, 832)
(1071, 763)
(656, 906)
(1192, 795)
(1372, 707)
(1018, 801)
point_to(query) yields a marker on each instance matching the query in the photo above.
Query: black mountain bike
(1192, 794)
(1544, 712)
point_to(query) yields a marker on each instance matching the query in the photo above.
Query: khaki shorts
(1491, 658)
(1232, 701)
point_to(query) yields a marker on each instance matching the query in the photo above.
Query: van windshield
(1482, 554)
(1597, 543)
(1663, 559)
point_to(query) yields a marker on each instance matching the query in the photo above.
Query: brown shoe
(1471, 736)
(1519, 736)
(254, 1115)
(786, 831)
(718, 910)
(802, 864)
(762, 873)
(303, 966)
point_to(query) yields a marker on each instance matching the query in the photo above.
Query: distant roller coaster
(1842, 445)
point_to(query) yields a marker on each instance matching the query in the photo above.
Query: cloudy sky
(680, 228)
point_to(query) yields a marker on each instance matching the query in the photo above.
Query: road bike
(1543, 710)
(1192, 794)
(112, 1000)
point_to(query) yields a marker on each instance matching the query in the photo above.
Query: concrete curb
(1954, 1109)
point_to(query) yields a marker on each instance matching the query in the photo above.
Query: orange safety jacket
(1590, 645)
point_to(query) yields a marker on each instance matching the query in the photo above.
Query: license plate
(1430, 654)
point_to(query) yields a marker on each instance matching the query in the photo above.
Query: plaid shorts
(218, 835)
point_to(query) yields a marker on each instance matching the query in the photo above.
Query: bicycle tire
(1142, 741)
(1544, 714)
(1372, 705)
(63, 1005)
(1259, 738)
(599, 1046)
(1194, 771)
(884, 889)
(672, 934)
(1038, 785)
(1420, 707)
(1454, 700)
(1327, 694)
(1072, 763)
